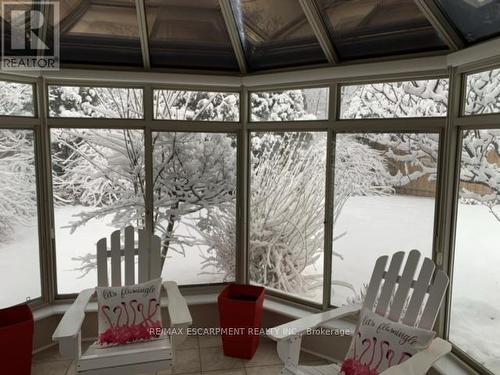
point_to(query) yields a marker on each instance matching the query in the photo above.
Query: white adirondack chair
(135, 358)
(386, 299)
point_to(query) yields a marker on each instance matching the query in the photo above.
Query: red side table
(240, 314)
(16, 340)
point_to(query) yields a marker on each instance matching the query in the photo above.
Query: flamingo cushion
(129, 313)
(380, 343)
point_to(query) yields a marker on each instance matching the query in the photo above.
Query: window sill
(60, 308)
(447, 365)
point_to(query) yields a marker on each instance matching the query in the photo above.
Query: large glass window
(195, 205)
(98, 186)
(16, 99)
(19, 245)
(475, 308)
(196, 105)
(289, 105)
(384, 201)
(95, 102)
(423, 98)
(482, 94)
(287, 199)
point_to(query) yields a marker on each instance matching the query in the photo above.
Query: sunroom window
(287, 211)
(195, 205)
(19, 238)
(98, 185)
(475, 316)
(384, 200)
(421, 98)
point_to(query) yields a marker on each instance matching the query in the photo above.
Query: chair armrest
(177, 306)
(299, 326)
(67, 332)
(421, 362)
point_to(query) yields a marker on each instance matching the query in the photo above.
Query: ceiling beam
(314, 18)
(234, 34)
(143, 32)
(439, 21)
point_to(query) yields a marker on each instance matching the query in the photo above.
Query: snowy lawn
(20, 267)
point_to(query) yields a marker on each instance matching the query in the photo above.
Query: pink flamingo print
(404, 356)
(130, 328)
(119, 315)
(353, 366)
(133, 309)
(358, 337)
(366, 349)
(156, 305)
(140, 308)
(382, 343)
(126, 312)
(103, 309)
(389, 356)
(374, 340)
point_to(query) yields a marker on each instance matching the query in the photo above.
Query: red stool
(240, 314)
(16, 340)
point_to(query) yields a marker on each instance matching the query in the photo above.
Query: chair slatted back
(148, 255)
(396, 295)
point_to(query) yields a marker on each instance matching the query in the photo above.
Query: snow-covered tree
(480, 169)
(289, 105)
(16, 99)
(102, 169)
(419, 153)
(17, 181)
(193, 173)
(100, 102)
(483, 93)
(195, 105)
(426, 98)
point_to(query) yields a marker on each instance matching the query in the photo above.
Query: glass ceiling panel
(189, 34)
(103, 32)
(276, 34)
(475, 19)
(371, 28)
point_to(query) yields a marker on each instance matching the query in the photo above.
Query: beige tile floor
(200, 355)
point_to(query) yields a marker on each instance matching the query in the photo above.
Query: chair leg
(289, 350)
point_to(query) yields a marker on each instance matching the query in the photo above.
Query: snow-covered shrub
(16, 99)
(17, 180)
(99, 102)
(289, 105)
(483, 93)
(195, 105)
(425, 98)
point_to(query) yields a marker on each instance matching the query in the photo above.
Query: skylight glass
(276, 34)
(189, 34)
(371, 28)
(476, 19)
(100, 32)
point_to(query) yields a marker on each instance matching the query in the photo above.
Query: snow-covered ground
(377, 226)
(20, 267)
(475, 318)
(374, 226)
(184, 269)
